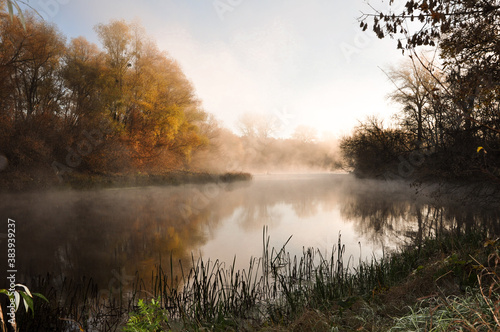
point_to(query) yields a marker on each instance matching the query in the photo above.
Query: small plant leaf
(26, 289)
(41, 296)
(20, 13)
(10, 6)
(11, 9)
(17, 298)
(28, 302)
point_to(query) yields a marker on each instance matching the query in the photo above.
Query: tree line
(257, 148)
(73, 104)
(73, 107)
(449, 122)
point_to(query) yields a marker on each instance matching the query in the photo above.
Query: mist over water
(102, 233)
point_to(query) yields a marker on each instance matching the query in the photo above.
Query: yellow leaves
(149, 91)
(481, 148)
(145, 105)
(491, 243)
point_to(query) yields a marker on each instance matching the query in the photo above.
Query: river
(109, 235)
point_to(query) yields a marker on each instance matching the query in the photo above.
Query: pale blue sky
(306, 62)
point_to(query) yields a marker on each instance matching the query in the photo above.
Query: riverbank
(472, 191)
(23, 181)
(446, 283)
(443, 283)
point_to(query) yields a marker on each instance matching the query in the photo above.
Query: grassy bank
(450, 280)
(88, 181)
(74, 180)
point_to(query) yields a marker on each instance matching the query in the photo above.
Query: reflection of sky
(320, 230)
(93, 233)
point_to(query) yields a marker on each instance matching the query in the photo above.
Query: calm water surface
(110, 234)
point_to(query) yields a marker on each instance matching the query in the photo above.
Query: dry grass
(315, 293)
(478, 309)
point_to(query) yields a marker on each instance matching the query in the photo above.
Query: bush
(149, 317)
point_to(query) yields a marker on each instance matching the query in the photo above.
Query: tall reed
(275, 288)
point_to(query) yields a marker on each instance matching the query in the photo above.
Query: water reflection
(386, 213)
(97, 233)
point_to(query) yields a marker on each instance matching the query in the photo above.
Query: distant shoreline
(83, 181)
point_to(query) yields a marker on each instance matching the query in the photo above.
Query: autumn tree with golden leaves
(125, 107)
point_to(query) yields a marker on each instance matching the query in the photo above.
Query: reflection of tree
(383, 214)
(305, 196)
(258, 215)
(93, 233)
(376, 216)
